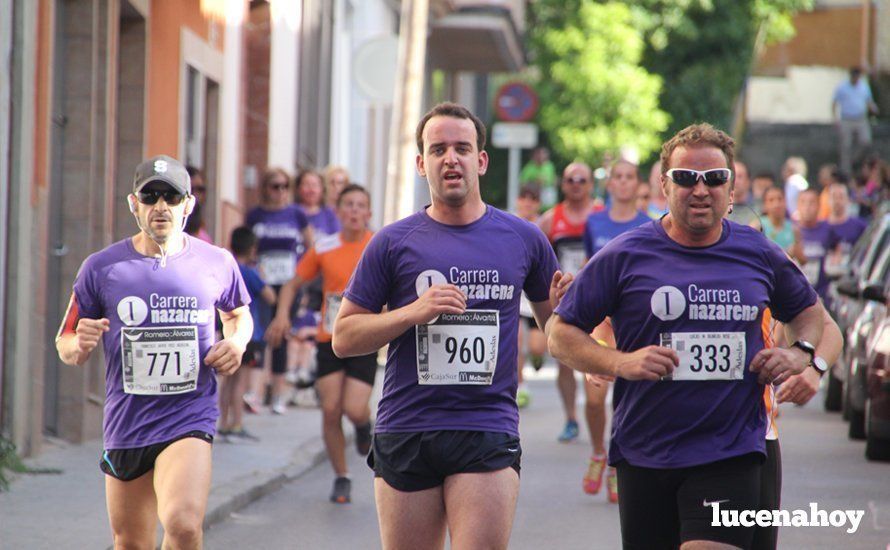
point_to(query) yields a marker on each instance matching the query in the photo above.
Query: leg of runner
(522, 395)
(226, 392)
(132, 511)
(537, 346)
(595, 413)
(568, 387)
(480, 508)
(182, 483)
(410, 520)
(356, 395)
(331, 389)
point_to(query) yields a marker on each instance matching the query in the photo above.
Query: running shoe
(342, 490)
(569, 432)
(523, 397)
(593, 479)
(241, 433)
(250, 404)
(612, 485)
(537, 362)
(279, 407)
(363, 439)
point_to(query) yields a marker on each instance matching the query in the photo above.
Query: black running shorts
(663, 508)
(363, 367)
(422, 460)
(253, 355)
(767, 538)
(129, 464)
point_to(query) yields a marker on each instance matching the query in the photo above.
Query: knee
(331, 413)
(595, 403)
(183, 526)
(357, 414)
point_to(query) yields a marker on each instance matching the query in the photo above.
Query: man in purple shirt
(686, 296)
(820, 242)
(446, 445)
(151, 300)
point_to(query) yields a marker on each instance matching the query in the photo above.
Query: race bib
(160, 361)
(707, 355)
(278, 266)
(811, 271)
(572, 258)
(459, 348)
(332, 308)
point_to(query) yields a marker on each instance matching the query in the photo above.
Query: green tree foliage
(599, 63)
(595, 95)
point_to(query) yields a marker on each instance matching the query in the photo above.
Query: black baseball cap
(163, 169)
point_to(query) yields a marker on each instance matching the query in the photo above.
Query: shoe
(593, 479)
(241, 433)
(279, 408)
(569, 432)
(250, 404)
(363, 439)
(612, 485)
(342, 490)
(537, 362)
(523, 397)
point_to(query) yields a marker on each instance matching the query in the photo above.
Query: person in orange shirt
(344, 385)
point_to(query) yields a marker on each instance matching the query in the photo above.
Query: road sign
(506, 135)
(516, 102)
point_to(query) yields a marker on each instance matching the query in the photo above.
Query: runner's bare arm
(78, 336)
(573, 347)
(799, 389)
(545, 222)
(281, 322)
(358, 331)
(775, 365)
(559, 285)
(268, 295)
(225, 355)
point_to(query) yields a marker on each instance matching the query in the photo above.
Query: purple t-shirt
(817, 242)
(324, 222)
(493, 260)
(280, 241)
(849, 231)
(653, 287)
(135, 293)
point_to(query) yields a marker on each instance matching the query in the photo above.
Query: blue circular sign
(516, 102)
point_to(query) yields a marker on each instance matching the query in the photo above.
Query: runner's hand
(88, 333)
(224, 356)
(775, 365)
(276, 332)
(438, 299)
(559, 286)
(800, 388)
(649, 363)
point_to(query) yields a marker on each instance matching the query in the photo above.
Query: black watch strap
(807, 347)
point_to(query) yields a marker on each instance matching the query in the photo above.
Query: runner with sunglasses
(284, 235)
(151, 300)
(564, 226)
(686, 295)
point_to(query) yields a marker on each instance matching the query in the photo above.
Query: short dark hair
(776, 188)
(765, 175)
(531, 191)
(855, 71)
(192, 170)
(455, 111)
(243, 239)
(810, 190)
(698, 135)
(352, 188)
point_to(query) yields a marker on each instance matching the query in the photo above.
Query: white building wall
(802, 97)
(284, 75)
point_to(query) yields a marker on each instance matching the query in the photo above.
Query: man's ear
(483, 162)
(190, 205)
(131, 202)
(418, 162)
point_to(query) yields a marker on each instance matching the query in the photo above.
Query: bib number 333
(707, 355)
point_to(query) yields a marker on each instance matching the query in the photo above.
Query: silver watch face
(820, 364)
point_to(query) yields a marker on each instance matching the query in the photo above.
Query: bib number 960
(466, 350)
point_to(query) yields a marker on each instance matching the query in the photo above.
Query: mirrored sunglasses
(686, 177)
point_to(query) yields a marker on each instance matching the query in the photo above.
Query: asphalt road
(820, 465)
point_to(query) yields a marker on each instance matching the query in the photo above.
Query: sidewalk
(67, 510)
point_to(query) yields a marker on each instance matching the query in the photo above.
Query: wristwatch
(807, 347)
(820, 365)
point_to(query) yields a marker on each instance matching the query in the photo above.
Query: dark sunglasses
(575, 180)
(685, 177)
(151, 196)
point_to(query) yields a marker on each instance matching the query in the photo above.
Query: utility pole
(406, 110)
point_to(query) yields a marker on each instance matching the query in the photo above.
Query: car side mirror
(874, 292)
(849, 288)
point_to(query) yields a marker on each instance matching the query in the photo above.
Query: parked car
(856, 347)
(847, 302)
(877, 405)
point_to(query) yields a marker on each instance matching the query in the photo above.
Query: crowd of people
(689, 294)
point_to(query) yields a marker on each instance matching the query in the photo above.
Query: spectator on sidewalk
(196, 225)
(231, 407)
(851, 104)
(335, 179)
(541, 172)
(761, 183)
(794, 175)
(777, 226)
(742, 210)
